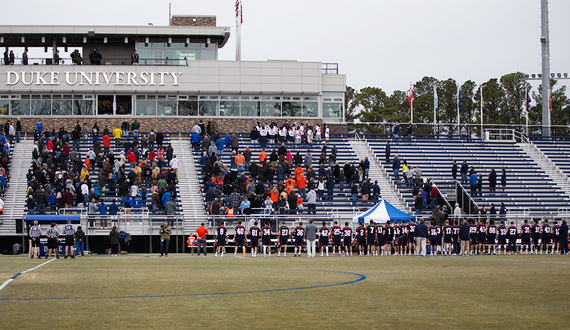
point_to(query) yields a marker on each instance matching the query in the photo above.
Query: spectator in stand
(135, 128)
(311, 201)
(457, 212)
(262, 156)
(174, 164)
(117, 134)
(240, 162)
(220, 146)
(473, 183)
(454, 170)
(170, 207)
(396, 130)
(234, 142)
(503, 179)
(396, 167)
(354, 192)
(464, 170)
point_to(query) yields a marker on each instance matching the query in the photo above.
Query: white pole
(434, 109)
(238, 30)
(481, 93)
(526, 109)
(458, 118)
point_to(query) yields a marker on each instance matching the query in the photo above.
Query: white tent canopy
(381, 213)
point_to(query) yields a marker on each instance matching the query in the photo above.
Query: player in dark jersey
(254, 234)
(221, 233)
(535, 235)
(380, 238)
(433, 238)
(403, 238)
(491, 235)
(555, 238)
(68, 231)
(473, 236)
(239, 238)
(388, 238)
(412, 236)
(324, 233)
(361, 238)
(347, 239)
(525, 236)
(502, 238)
(371, 238)
(481, 236)
(439, 238)
(513, 235)
(545, 232)
(455, 236)
(336, 233)
(447, 233)
(299, 233)
(266, 239)
(283, 239)
(397, 233)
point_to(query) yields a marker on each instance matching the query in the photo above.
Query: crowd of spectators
(102, 178)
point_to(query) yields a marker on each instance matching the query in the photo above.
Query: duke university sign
(92, 78)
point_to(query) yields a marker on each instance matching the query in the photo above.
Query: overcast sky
(381, 43)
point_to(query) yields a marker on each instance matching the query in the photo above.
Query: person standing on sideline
(254, 234)
(114, 241)
(563, 237)
(311, 235)
(52, 233)
(284, 234)
(421, 236)
(202, 232)
(79, 241)
(68, 231)
(464, 238)
(266, 239)
(35, 233)
(165, 232)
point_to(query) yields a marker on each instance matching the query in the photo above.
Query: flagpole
(458, 127)
(526, 107)
(411, 98)
(481, 93)
(239, 20)
(435, 101)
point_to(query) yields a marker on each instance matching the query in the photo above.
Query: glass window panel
(167, 108)
(61, 108)
(270, 108)
(292, 109)
(209, 108)
(188, 108)
(229, 108)
(41, 107)
(145, 107)
(310, 109)
(83, 107)
(332, 110)
(20, 107)
(193, 97)
(4, 106)
(250, 108)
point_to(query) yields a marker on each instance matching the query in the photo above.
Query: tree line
(372, 110)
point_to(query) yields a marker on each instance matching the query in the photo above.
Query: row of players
(377, 239)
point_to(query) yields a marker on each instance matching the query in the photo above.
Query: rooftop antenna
(169, 13)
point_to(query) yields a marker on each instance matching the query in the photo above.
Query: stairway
(558, 177)
(190, 192)
(15, 194)
(388, 190)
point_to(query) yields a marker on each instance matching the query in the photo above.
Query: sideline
(16, 276)
(507, 260)
(360, 278)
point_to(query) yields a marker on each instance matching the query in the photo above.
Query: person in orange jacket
(302, 185)
(298, 172)
(262, 155)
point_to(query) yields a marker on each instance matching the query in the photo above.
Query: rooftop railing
(102, 61)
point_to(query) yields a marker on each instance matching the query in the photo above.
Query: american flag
(411, 97)
(239, 14)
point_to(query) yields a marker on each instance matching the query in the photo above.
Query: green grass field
(182, 291)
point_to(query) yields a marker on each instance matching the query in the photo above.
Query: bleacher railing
(466, 203)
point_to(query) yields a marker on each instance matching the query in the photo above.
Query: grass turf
(182, 291)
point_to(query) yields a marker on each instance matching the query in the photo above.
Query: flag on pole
(410, 96)
(435, 100)
(459, 100)
(527, 101)
(239, 14)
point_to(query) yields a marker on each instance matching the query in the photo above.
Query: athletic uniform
(324, 237)
(455, 236)
(254, 236)
(347, 236)
(546, 231)
(513, 239)
(439, 235)
(473, 234)
(397, 233)
(380, 235)
(361, 235)
(525, 234)
(299, 232)
(336, 232)
(491, 234)
(403, 235)
(481, 230)
(52, 233)
(556, 234)
(388, 235)
(68, 231)
(239, 235)
(535, 233)
(432, 237)
(502, 235)
(370, 234)
(35, 232)
(221, 232)
(283, 235)
(266, 230)
(447, 233)
(411, 232)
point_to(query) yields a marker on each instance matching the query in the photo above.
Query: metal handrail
(103, 61)
(460, 186)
